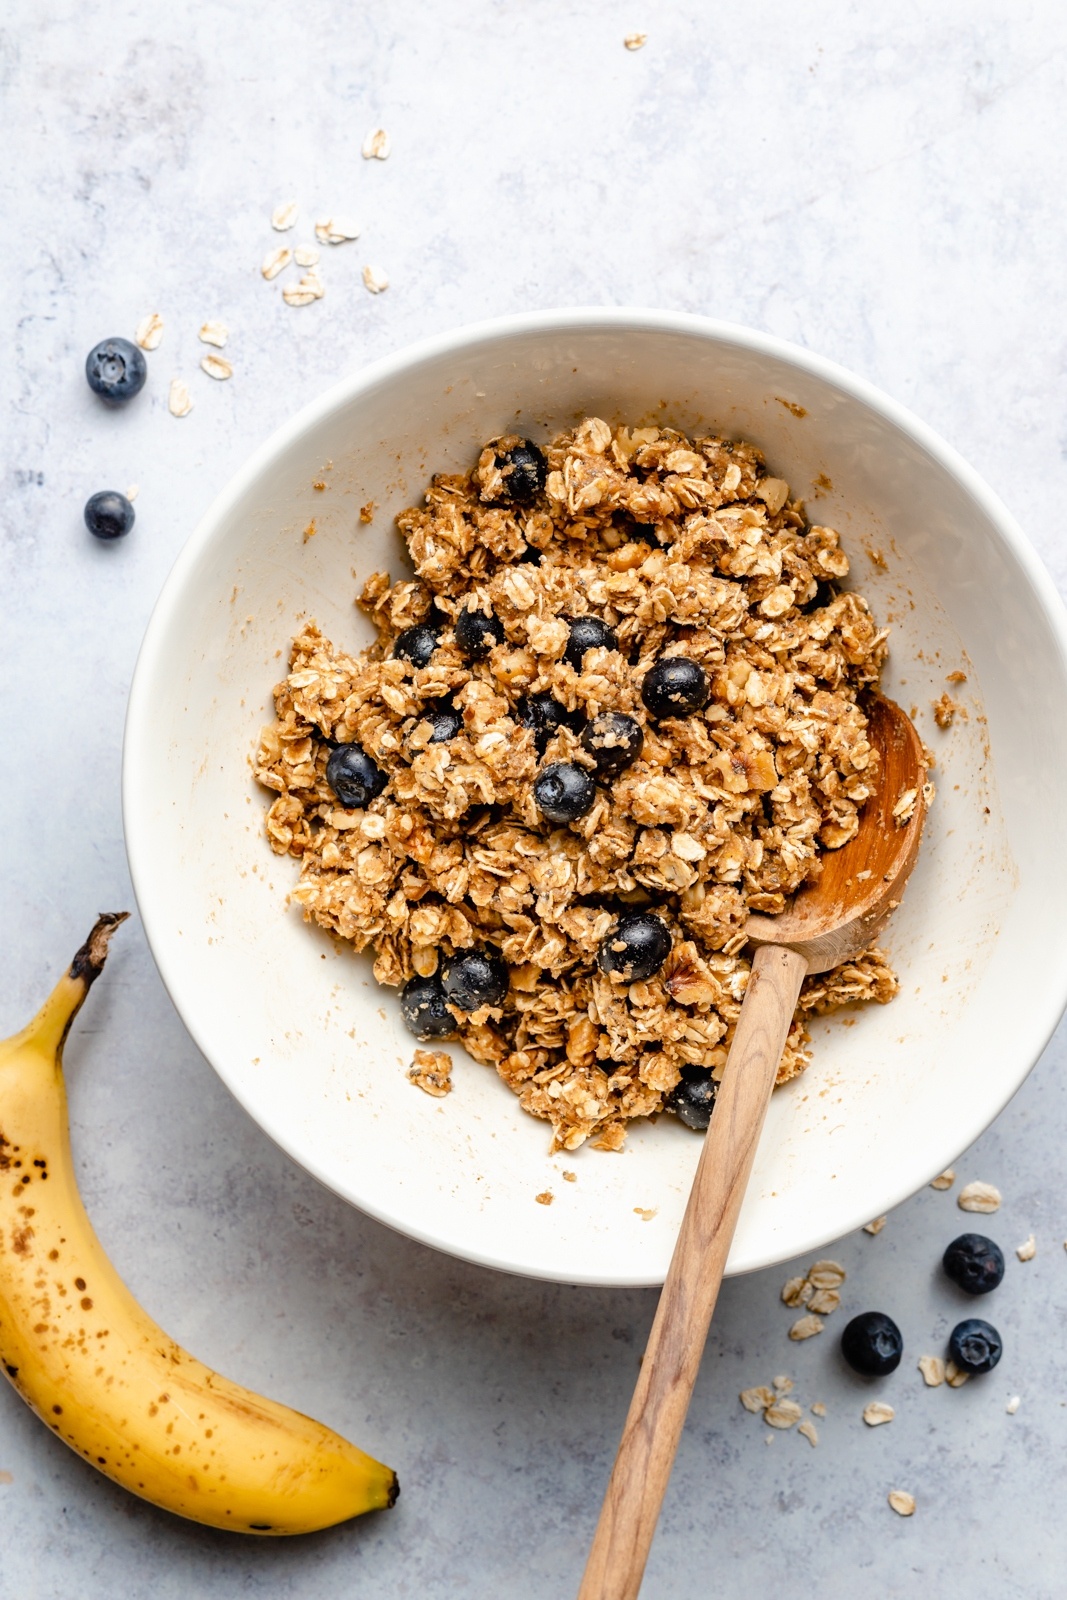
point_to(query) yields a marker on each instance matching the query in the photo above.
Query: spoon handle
(668, 1370)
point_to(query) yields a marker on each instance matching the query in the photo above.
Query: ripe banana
(101, 1374)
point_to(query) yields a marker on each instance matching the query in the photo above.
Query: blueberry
(445, 720)
(116, 369)
(563, 793)
(355, 779)
(524, 470)
(476, 634)
(417, 644)
(588, 633)
(974, 1262)
(975, 1345)
(614, 741)
(693, 1098)
(475, 978)
(872, 1344)
(108, 515)
(636, 947)
(422, 1006)
(674, 687)
(545, 716)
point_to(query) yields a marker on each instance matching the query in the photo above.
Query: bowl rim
(1042, 1013)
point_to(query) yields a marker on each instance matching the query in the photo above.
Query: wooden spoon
(832, 921)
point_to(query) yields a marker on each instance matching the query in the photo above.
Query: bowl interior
(316, 1051)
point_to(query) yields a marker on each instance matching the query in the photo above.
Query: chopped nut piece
(933, 1370)
(634, 41)
(217, 367)
(376, 146)
(902, 1502)
(877, 1412)
(284, 216)
(150, 331)
(179, 400)
(276, 261)
(946, 1180)
(955, 1377)
(545, 1198)
(806, 1327)
(757, 1399)
(375, 280)
(1028, 1250)
(431, 1071)
(809, 1432)
(876, 1226)
(215, 333)
(979, 1197)
(783, 1414)
(1013, 1405)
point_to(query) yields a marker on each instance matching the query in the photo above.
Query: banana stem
(51, 1025)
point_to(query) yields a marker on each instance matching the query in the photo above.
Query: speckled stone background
(883, 185)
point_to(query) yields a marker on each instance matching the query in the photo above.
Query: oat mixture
(617, 709)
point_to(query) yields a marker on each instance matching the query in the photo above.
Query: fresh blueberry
(476, 634)
(674, 687)
(422, 1006)
(636, 947)
(417, 644)
(355, 779)
(116, 369)
(872, 1344)
(975, 1345)
(108, 515)
(445, 720)
(614, 741)
(475, 978)
(693, 1098)
(974, 1262)
(563, 793)
(525, 472)
(545, 717)
(588, 633)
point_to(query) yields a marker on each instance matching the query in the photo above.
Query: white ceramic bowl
(299, 1030)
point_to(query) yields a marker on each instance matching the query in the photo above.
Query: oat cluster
(684, 548)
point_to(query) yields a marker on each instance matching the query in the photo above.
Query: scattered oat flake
(810, 1432)
(645, 1215)
(336, 230)
(955, 1377)
(375, 280)
(303, 293)
(276, 261)
(179, 400)
(806, 1327)
(819, 1409)
(902, 1502)
(876, 1226)
(149, 331)
(545, 1198)
(905, 807)
(570, 1177)
(215, 333)
(946, 1180)
(933, 1370)
(376, 146)
(1028, 1250)
(284, 216)
(979, 1197)
(634, 41)
(305, 255)
(827, 1275)
(793, 1292)
(782, 1384)
(824, 1301)
(757, 1399)
(216, 367)
(877, 1413)
(430, 1070)
(132, 492)
(1013, 1405)
(783, 1414)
